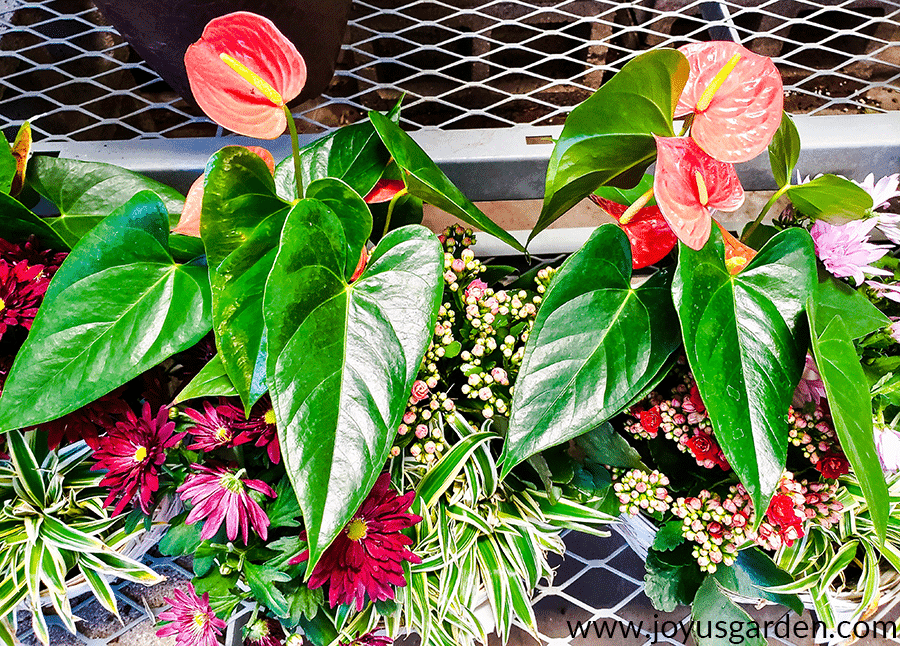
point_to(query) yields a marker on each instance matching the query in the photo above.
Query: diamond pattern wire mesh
(461, 64)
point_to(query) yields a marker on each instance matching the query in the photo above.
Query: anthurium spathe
(189, 224)
(243, 71)
(689, 184)
(649, 234)
(736, 98)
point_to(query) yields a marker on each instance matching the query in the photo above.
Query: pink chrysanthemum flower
(885, 290)
(22, 288)
(132, 453)
(264, 631)
(882, 191)
(193, 621)
(811, 387)
(259, 428)
(367, 557)
(220, 494)
(845, 248)
(213, 429)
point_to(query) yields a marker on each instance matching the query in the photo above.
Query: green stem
(749, 232)
(390, 211)
(295, 147)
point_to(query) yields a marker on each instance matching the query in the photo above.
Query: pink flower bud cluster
(718, 527)
(420, 429)
(639, 491)
(813, 432)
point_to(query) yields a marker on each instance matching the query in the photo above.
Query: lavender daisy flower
(193, 621)
(887, 445)
(885, 290)
(213, 428)
(219, 494)
(811, 387)
(845, 249)
(882, 191)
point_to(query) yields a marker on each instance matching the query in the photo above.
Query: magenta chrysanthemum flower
(214, 427)
(132, 453)
(845, 248)
(259, 428)
(22, 288)
(367, 557)
(264, 631)
(220, 494)
(193, 621)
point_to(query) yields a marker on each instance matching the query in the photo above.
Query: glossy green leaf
(850, 404)
(427, 182)
(628, 196)
(671, 578)
(356, 220)
(835, 298)
(117, 306)
(595, 344)
(342, 358)
(784, 150)
(240, 225)
(7, 165)
(18, 222)
(86, 192)
(211, 381)
(669, 536)
(608, 139)
(830, 198)
(752, 573)
(712, 609)
(745, 339)
(604, 446)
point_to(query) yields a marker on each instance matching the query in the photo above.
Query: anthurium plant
(372, 431)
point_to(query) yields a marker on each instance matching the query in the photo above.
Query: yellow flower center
(357, 529)
(200, 619)
(269, 417)
(702, 193)
(141, 454)
(253, 79)
(222, 434)
(2, 304)
(714, 85)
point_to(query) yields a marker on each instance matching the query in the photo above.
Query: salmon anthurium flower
(736, 98)
(689, 184)
(649, 234)
(243, 71)
(737, 254)
(189, 224)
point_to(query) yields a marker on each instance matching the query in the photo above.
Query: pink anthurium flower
(689, 184)
(243, 71)
(384, 191)
(736, 98)
(189, 224)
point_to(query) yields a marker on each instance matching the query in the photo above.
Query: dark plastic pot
(161, 31)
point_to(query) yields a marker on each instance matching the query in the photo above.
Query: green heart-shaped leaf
(356, 219)
(117, 306)
(831, 198)
(752, 572)
(595, 344)
(784, 150)
(240, 225)
(745, 339)
(835, 298)
(609, 137)
(18, 222)
(86, 192)
(712, 610)
(849, 400)
(211, 381)
(342, 358)
(7, 165)
(427, 182)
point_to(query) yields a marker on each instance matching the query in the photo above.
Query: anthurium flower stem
(295, 148)
(765, 209)
(390, 211)
(639, 203)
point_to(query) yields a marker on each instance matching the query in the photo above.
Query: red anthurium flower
(242, 71)
(689, 184)
(361, 265)
(736, 97)
(384, 191)
(189, 224)
(648, 232)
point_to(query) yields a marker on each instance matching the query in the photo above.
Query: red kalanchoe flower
(220, 494)
(259, 428)
(689, 184)
(736, 98)
(22, 288)
(650, 420)
(706, 451)
(214, 427)
(833, 465)
(193, 621)
(649, 234)
(782, 514)
(88, 422)
(243, 71)
(264, 631)
(367, 557)
(132, 453)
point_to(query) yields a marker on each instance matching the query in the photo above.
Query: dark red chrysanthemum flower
(263, 631)
(367, 557)
(214, 427)
(88, 422)
(259, 428)
(220, 494)
(34, 253)
(193, 621)
(22, 288)
(132, 453)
